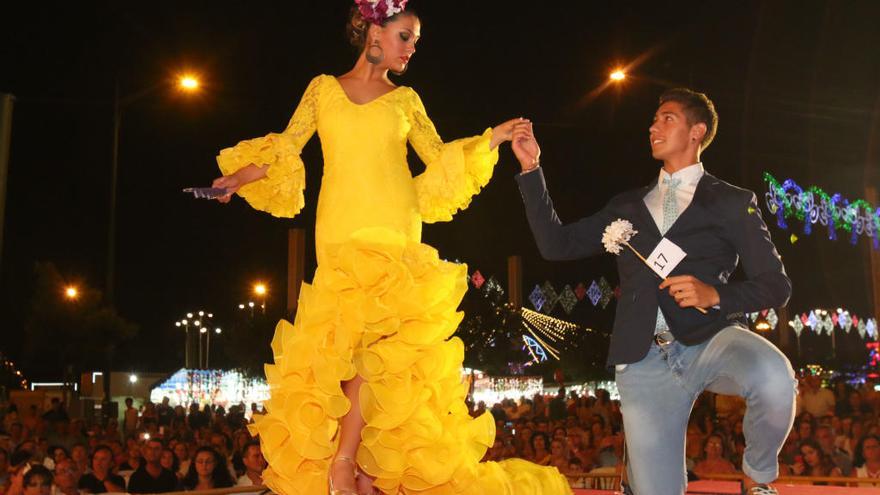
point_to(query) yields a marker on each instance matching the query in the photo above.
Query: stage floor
(732, 488)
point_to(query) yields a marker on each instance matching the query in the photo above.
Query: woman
(37, 481)
(540, 454)
(559, 457)
(208, 471)
(368, 376)
(169, 461)
(814, 462)
(714, 460)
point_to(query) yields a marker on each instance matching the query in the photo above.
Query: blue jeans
(658, 393)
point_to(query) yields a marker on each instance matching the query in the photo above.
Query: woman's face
(805, 429)
(811, 455)
(181, 451)
(398, 40)
(556, 447)
(714, 447)
(167, 459)
(204, 464)
(539, 443)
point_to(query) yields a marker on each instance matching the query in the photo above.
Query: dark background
(796, 84)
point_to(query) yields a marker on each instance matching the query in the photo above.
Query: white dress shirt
(690, 176)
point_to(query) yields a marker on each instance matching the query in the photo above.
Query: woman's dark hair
(858, 453)
(37, 470)
(357, 27)
(825, 462)
(540, 434)
(175, 463)
(220, 477)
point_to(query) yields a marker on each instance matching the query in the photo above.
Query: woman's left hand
(504, 132)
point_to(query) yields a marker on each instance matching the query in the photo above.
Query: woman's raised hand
(504, 132)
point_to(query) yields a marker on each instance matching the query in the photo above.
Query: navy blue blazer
(721, 225)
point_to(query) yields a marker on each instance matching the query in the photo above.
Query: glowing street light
(618, 75)
(188, 82)
(71, 292)
(260, 290)
(132, 378)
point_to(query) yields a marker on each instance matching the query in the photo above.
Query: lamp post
(198, 320)
(207, 332)
(186, 83)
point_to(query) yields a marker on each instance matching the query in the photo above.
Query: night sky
(796, 85)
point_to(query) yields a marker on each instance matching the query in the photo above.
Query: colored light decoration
(813, 205)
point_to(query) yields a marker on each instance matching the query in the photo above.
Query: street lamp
(198, 320)
(260, 290)
(187, 83)
(618, 75)
(207, 332)
(71, 292)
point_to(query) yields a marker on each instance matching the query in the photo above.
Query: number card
(665, 257)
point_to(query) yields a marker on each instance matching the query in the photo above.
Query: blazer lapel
(695, 208)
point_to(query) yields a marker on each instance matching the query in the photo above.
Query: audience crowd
(159, 448)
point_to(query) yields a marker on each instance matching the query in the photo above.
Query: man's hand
(688, 291)
(525, 147)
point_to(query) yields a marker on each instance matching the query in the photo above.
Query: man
(130, 416)
(151, 477)
(67, 477)
(101, 480)
(664, 350)
(816, 399)
(254, 463)
(825, 439)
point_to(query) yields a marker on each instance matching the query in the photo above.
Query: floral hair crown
(378, 11)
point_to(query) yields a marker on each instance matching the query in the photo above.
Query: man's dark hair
(697, 108)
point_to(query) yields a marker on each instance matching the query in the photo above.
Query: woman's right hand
(229, 182)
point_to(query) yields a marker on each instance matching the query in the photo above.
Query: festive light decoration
(535, 349)
(217, 387)
(825, 321)
(552, 329)
(814, 206)
(492, 389)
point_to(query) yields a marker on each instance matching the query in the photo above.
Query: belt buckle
(664, 338)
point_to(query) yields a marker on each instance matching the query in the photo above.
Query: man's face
(101, 461)
(66, 474)
(871, 450)
(670, 132)
(254, 460)
(823, 436)
(152, 451)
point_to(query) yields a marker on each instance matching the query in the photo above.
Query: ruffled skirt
(383, 307)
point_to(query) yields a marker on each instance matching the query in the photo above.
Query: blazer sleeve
(766, 284)
(558, 241)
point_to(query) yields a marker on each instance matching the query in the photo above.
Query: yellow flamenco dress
(381, 305)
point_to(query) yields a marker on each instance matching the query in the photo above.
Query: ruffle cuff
(280, 193)
(462, 170)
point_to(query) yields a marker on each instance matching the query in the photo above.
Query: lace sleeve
(281, 191)
(455, 171)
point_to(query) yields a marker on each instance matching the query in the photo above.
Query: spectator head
(825, 438)
(814, 458)
(129, 402)
(557, 447)
(67, 475)
(575, 465)
(169, 461)
(37, 481)
(207, 464)
(855, 401)
(805, 429)
(559, 433)
(713, 447)
(220, 443)
(539, 441)
(58, 453)
(102, 460)
(181, 451)
(867, 450)
(252, 456)
(79, 454)
(152, 450)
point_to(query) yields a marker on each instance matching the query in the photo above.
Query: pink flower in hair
(378, 11)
